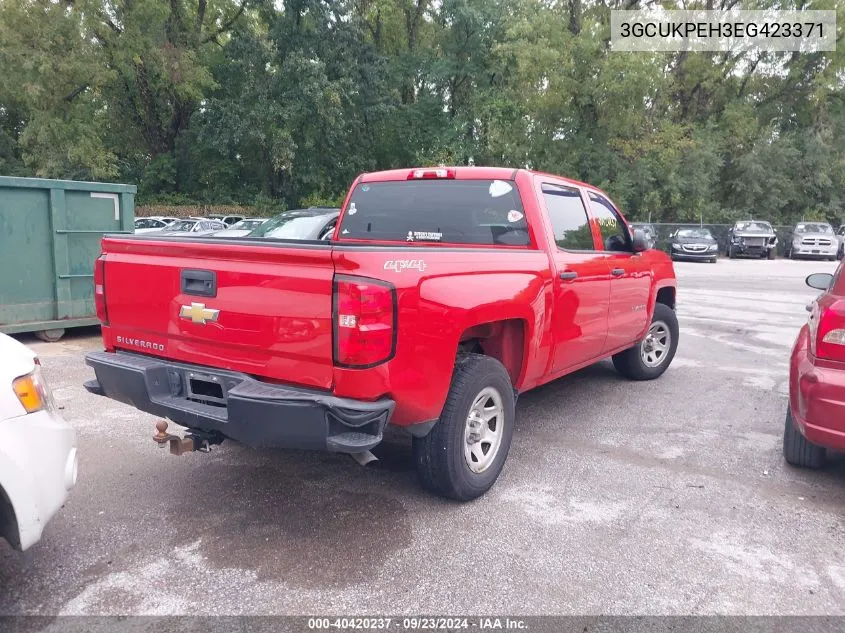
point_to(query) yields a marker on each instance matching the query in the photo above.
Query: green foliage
(278, 105)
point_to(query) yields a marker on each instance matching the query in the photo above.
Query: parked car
(153, 223)
(440, 298)
(192, 227)
(239, 229)
(813, 240)
(228, 220)
(840, 234)
(317, 223)
(693, 244)
(751, 238)
(38, 462)
(649, 231)
(815, 416)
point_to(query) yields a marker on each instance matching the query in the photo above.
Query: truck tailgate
(262, 309)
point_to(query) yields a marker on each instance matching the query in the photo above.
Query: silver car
(192, 227)
(813, 240)
(300, 224)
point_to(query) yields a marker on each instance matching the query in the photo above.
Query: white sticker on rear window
(426, 236)
(514, 216)
(499, 188)
(352, 209)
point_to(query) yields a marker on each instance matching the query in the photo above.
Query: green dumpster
(50, 233)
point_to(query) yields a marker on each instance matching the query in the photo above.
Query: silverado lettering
(139, 343)
(536, 277)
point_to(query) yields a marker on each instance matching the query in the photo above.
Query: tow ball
(193, 441)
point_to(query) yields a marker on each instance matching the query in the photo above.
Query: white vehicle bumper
(817, 251)
(38, 465)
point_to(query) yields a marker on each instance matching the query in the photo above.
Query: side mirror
(638, 241)
(819, 281)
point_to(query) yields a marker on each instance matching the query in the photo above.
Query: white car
(153, 223)
(38, 460)
(239, 229)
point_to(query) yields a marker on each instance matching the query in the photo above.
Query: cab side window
(569, 218)
(614, 233)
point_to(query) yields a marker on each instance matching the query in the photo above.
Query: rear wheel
(651, 357)
(797, 450)
(771, 254)
(463, 454)
(731, 252)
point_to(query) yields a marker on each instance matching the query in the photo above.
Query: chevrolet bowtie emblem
(198, 313)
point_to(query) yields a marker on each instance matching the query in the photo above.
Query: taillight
(425, 174)
(364, 315)
(830, 333)
(100, 289)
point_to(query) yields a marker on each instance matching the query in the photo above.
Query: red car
(444, 293)
(815, 417)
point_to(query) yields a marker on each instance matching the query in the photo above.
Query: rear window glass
(433, 211)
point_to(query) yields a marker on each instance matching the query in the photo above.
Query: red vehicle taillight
(830, 332)
(100, 289)
(364, 315)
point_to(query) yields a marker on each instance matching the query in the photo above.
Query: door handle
(617, 271)
(568, 275)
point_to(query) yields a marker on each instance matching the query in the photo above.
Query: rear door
(631, 278)
(262, 309)
(582, 283)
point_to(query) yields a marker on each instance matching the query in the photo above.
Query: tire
(712, 260)
(632, 364)
(770, 254)
(797, 450)
(50, 336)
(731, 253)
(442, 458)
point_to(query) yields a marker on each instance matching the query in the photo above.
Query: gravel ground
(666, 497)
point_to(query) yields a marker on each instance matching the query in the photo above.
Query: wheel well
(8, 521)
(666, 296)
(502, 340)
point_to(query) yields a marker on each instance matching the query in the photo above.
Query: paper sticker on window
(499, 188)
(514, 216)
(426, 236)
(352, 210)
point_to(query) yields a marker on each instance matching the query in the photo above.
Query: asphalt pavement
(653, 498)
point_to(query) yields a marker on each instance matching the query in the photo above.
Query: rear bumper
(238, 406)
(817, 398)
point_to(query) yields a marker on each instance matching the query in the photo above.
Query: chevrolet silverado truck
(443, 294)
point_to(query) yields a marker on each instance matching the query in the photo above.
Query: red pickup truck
(442, 295)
